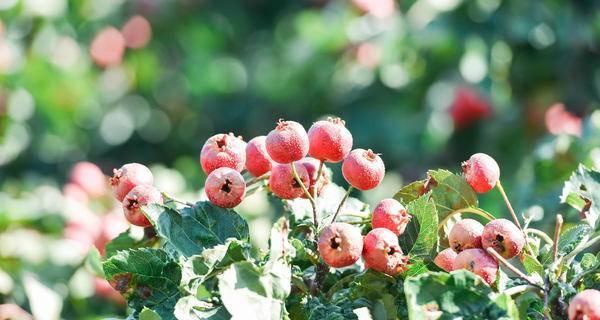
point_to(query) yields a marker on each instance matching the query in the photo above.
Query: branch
(342, 204)
(310, 198)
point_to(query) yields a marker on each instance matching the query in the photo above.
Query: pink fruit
(90, 178)
(561, 121)
(128, 177)
(382, 252)
(340, 244)
(108, 47)
(445, 259)
(504, 237)
(138, 197)
(288, 142)
(363, 169)
(481, 172)
(225, 187)
(478, 262)
(468, 107)
(585, 305)
(465, 234)
(74, 192)
(390, 214)
(329, 140)
(258, 161)
(312, 168)
(223, 150)
(283, 184)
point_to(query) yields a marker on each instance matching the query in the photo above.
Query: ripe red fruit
(225, 187)
(288, 142)
(90, 178)
(585, 305)
(363, 169)
(468, 107)
(392, 215)
(128, 177)
(223, 150)
(445, 259)
(478, 262)
(382, 252)
(465, 234)
(312, 168)
(481, 172)
(283, 184)
(258, 161)
(340, 244)
(138, 197)
(329, 140)
(504, 237)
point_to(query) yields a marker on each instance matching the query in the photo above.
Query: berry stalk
(512, 268)
(307, 193)
(169, 198)
(476, 211)
(319, 173)
(557, 228)
(341, 205)
(510, 208)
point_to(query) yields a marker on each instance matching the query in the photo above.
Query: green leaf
(380, 290)
(450, 192)
(411, 191)
(146, 278)
(148, 314)
(247, 289)
(459, 294)
(581, 192)
(532, 265)
(424, 211)
(199, 268)
(193, 229)
(569, 240)
(93, 262)
(125, 241)
(190, 308)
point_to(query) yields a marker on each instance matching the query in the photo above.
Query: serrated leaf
(125, 241)
(459, 294)
(450, 192)
(424, 211)
(146, 278)
(532, 265)
(93, 262)
(581, 192)
(193, 229)
(190, 308)
(411, 191)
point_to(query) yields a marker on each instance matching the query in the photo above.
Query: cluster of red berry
(132, 186)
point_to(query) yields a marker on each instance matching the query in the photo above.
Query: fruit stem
(258, 179)
(519, 289)
(342, 204)
(510, 208)
(319, 173)
(579, 249)
(476, 211)
(540, 234)
(168, 198)
(307, 193)
(512, 268)
(557, 228)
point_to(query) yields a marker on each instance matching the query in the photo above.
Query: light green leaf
(423, 210)
(93, 262)
(581, 192)
(532, 265)
(148, 314)
(190, 308)
(569, 240)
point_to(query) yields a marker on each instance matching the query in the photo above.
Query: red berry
(90, 178)
(478, 262)
(225, 187)
(468, 107)
(329, 140)
(445, 259)
(138, 197)
(312, 168)
(465, 234)
(258, 161)
(340, 244)
(390, 214)
(481, 172)
(128, 177)
(504, 237)
(282, 182)
(223, 150)
(363, 169)
(585, 305)
(382, 252)
(288, 142)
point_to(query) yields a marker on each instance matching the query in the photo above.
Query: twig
(476, 211)
(513, 268)
(557, 228)
(319, 173)
(169, 198)
(342, 204)
(520, 289)
(257, 179)
(307, 193)
(510, 208)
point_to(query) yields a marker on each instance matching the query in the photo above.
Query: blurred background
(426, 83)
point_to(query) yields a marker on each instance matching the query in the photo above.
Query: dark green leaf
(569, 240)
(193, 229)
(450, 192)
(125, 241)
(146, 278)
(424, 211)
(411, 191)
(581, 192)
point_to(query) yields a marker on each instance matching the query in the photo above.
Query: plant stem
(310, 198)
(520, 289)
(540, 234)
(319, 173)
(512, 268)
(557, 228)
(258, 179)
(476, 211)
(169, 198)
(510, 208)
(342, 204)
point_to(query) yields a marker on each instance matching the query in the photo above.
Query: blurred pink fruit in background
(137, 32)
(377, 8)
(89, 178)
(561, 121)
(468, 107)
(108, 47)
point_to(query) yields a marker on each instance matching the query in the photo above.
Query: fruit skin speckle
(128, 177)
(481, 172)
(340, 244)
(223, 150)
(465, 234)
(363, 169)
(445, 259)
(585, 305)
(283, 184)
(503, 236)
(258, 161)
(225, 187)
(382, 252)
(329, 140)
(137, 198)
(479, 262)
(288, 142)
(392, 215)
